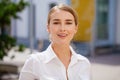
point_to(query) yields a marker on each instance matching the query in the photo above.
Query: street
(106, 67)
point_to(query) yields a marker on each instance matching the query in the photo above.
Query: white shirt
(47, 66)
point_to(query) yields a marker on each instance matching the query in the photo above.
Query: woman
(59, 61)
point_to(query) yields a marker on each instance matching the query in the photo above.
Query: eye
(56, 22)
(68, 23)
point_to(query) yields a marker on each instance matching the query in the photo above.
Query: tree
(8, 10)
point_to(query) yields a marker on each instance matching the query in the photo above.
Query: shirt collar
(76, 57)
(51, 55)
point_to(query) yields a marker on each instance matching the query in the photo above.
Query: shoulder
(36, 56)
(83, 58)
(79, 57)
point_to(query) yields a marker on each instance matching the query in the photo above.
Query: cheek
(49, 29)
(75, 29)
(52, 30)
(72, 31)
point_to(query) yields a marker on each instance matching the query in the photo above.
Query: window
(102, 19)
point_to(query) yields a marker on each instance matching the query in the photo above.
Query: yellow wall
(86, 14)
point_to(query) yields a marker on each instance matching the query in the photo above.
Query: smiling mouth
(62, 35)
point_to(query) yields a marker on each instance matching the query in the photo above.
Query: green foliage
(21, 48)
(6, 43)
(8, 10)
(1, 54)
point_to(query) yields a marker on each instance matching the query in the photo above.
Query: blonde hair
(64, 8)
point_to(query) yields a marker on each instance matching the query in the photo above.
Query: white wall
(22, 25)
(118, 23)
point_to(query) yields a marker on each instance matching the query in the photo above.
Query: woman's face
(61, 27)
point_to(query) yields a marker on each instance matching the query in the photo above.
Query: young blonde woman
(59, 61)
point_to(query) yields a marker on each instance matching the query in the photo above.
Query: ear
(48, 28)
(76, 29)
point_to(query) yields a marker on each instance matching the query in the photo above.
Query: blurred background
(23, 32)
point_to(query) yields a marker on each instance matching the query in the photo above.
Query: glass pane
(102, 19)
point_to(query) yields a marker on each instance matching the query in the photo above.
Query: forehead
(61, 14)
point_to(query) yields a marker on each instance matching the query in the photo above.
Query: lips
(62, 35)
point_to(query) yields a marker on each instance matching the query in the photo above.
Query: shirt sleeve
(27, 72)
(86, 73)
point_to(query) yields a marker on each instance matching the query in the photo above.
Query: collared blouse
(47, 66)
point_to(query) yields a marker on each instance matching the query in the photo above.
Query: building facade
(32, 25)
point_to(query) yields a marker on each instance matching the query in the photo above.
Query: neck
(63, 53)
(62, 50)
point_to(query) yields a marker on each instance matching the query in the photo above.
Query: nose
(62, 27)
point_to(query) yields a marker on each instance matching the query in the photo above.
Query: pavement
(106, 67)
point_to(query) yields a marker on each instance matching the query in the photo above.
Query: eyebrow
(56, 19)
(65, 20)
(69, 20)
